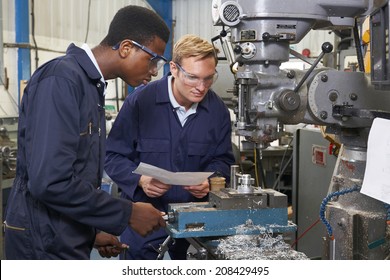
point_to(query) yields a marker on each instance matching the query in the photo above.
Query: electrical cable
(304, 233)
(282, 172)
(88, 19)
(281, 164)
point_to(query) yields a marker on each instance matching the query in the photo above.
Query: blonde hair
(193, 46)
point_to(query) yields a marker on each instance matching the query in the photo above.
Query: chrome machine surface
(256, 38)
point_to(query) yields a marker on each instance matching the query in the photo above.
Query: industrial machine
(8, 153)
(256, 38)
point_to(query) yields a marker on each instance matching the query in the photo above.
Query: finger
(154, 193)
(149, 192)
(115, 242)
(114, 252)
(103, 252)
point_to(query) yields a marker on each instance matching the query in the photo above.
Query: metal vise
(245, 210)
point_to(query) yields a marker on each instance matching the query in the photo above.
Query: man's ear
(125, 48)
(173, 68)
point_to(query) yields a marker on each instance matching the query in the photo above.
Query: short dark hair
(136, 23)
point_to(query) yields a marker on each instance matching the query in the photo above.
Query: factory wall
(57, 24)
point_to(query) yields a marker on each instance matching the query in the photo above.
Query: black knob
(237, 49)
(327, 47)
(266, 36)
(223, 33)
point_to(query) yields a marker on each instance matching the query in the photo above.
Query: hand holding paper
(172, 178)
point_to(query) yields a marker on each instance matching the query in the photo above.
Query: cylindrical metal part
(234, 169)
(245, 184)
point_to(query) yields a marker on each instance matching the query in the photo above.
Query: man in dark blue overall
(177, 123)
(56, 209)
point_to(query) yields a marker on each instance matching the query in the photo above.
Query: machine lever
(326, 48)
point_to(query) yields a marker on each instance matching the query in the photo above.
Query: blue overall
(147, 129)
(54, 207)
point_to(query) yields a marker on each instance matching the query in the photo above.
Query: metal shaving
(257, 247)
(190, 229)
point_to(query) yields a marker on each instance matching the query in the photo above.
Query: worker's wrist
(141, 181)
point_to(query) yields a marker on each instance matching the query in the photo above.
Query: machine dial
(248, 50)
(311, 97)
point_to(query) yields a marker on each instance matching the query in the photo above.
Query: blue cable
(325, 202)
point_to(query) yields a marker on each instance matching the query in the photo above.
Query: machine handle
(326, 48)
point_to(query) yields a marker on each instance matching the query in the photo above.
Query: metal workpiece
(257, 199)
(231, 199)
(245, 184)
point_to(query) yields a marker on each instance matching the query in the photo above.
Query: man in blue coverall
(56, 209)
(177, 123)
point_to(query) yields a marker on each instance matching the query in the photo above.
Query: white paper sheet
(376, 181)
(172, 178)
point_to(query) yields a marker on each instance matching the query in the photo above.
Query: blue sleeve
(121, 150)
(223, 154)
(52, 141)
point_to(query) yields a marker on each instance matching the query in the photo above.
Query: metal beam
(164, 9)
(22, 36)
